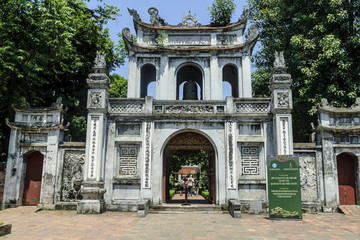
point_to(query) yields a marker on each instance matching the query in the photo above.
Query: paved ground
(56, 225)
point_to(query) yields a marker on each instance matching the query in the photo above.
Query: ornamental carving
(252, 108)
(155, 19)
(254, 33)
(308, 179)
(189, 21)
(283, 99)
(126, 108)
(127, 34)
(189, 141)
(279, 60)
(72, 176)
(189, 109)
(100, 61)
(96, 99)
(134, 14)
(250, 160)
(128, 160)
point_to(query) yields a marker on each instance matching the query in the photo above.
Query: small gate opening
(189, 154)
(346, 169)
(33, 177)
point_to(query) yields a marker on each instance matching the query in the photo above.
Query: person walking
(181, 186)
(190, 184)
(197, 187)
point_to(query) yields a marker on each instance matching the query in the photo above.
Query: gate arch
(189, 140)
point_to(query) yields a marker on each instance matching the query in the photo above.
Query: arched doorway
(189, 141)
(189, 73)
(346, 169)
(33, 177)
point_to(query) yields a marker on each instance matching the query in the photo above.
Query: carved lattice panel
(250, 160)
(128, 160)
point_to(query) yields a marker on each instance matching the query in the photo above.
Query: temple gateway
(125, 163)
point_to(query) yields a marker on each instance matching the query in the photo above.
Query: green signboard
(284, 189)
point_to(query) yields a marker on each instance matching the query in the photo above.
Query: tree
(118, 86)
(221, 12)
(189, 157)
(47, 49)
(321, 45)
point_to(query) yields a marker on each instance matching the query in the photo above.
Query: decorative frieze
(147, 155)
(128, 160)
(252, 107)
(72, 175)
(226, 39)
(126, 108)
(189, 40)
(188, 109)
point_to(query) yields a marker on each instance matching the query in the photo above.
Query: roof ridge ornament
(189, 20)
(134, 14)
(254, 33)
(245, 14)
(155, 19)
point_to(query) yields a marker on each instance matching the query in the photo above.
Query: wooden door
(346, 178)
(33, 176)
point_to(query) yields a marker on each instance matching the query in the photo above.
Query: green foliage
(321, 45)
(189, 157)
(221, 12)
(118, 86)
(172, 193)
(162, 40)
(47, 49)
(205, 194)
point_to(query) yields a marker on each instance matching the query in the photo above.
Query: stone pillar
(331, 187)
(166, 90)
(246, 90)
(133, 79)
(281, 103)
(93, 186)
(215, 79)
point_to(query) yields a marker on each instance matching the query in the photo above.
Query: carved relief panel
(72, 175)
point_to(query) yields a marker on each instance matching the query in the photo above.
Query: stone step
(178, 208)
(353, 210)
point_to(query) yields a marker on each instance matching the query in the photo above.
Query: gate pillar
(93, 185)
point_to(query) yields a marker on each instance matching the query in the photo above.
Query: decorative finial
(58, 103)
(279, 59)
(100, 60)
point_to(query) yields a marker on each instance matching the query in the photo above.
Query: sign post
(284, 190)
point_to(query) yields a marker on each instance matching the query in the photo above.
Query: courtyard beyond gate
(56, 225)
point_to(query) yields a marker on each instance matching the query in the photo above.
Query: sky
(171, 10)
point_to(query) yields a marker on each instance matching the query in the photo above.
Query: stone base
(235, 208)
(5, 229)
(91, 207)
(46, 206)
(329, 209)
(66, 206)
